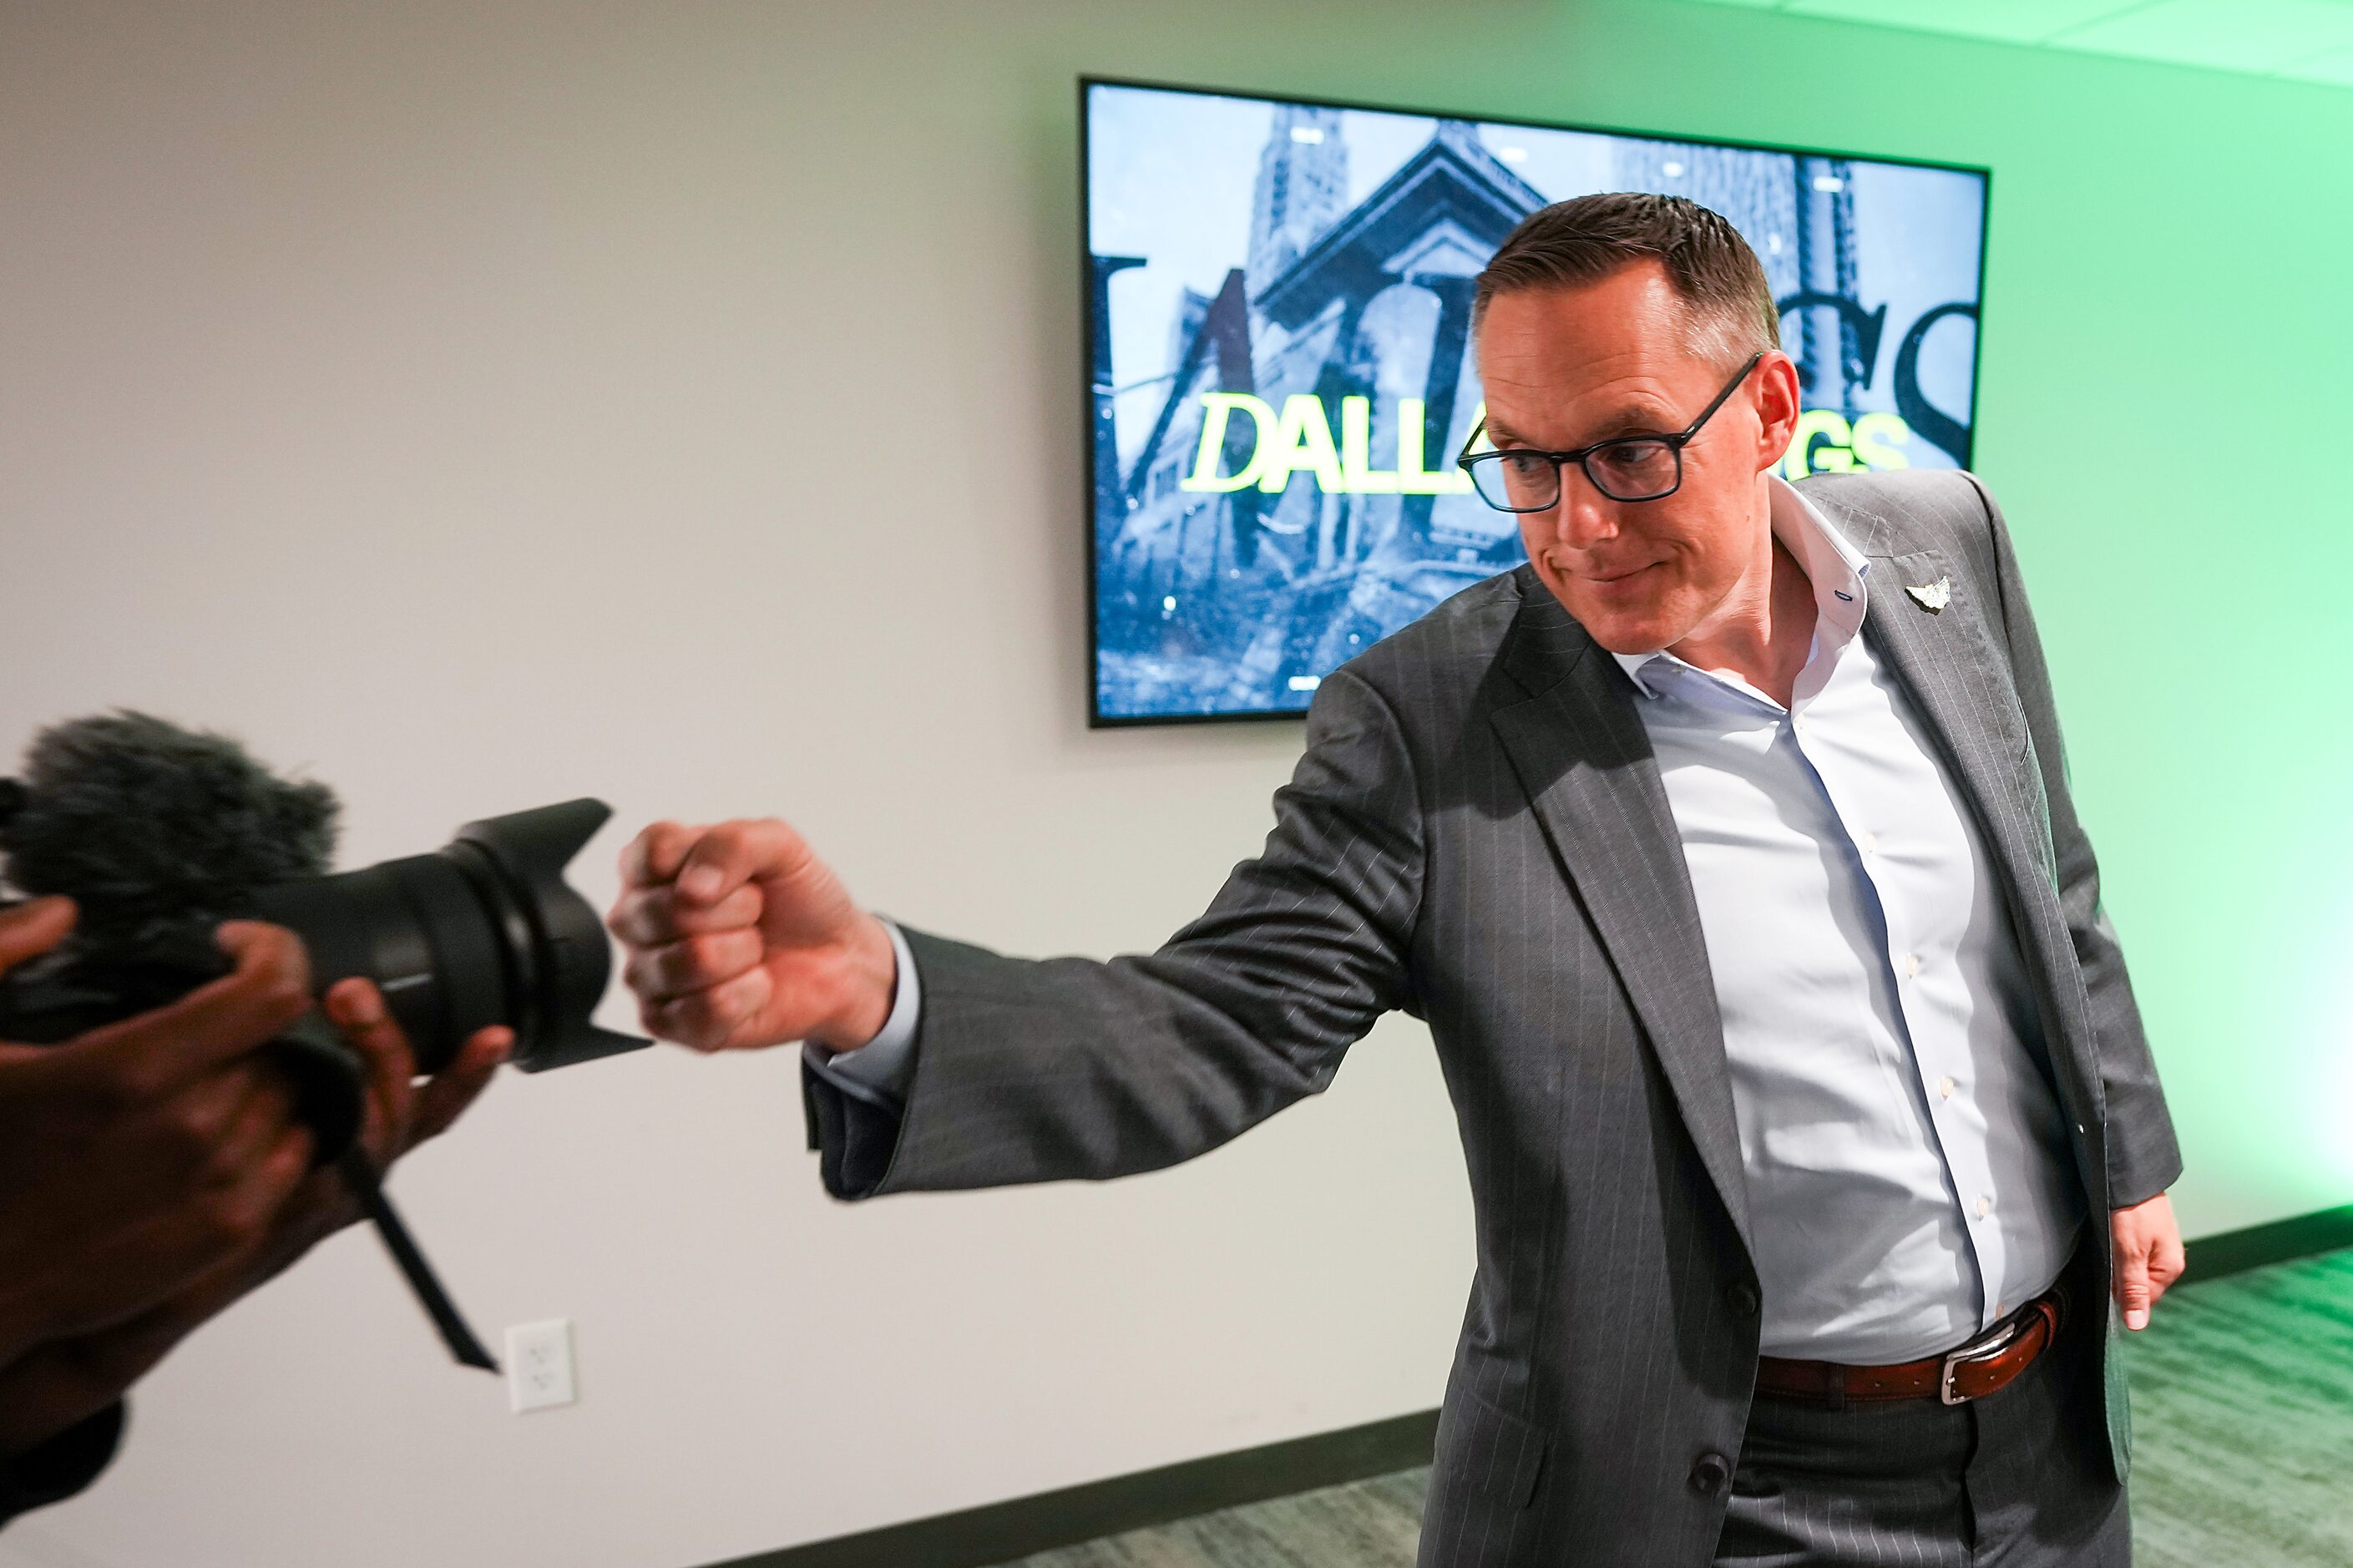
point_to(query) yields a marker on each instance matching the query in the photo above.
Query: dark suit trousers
(2017, 1480)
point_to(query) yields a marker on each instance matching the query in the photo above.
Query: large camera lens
(484, 932)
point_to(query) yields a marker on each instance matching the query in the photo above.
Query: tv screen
(1278, 299)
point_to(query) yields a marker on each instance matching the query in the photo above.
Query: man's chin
(1629, 639)
(1620, 629)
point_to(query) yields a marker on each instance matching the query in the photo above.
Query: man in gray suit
(1726, 849)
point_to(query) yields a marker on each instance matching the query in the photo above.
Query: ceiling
(2302, 40)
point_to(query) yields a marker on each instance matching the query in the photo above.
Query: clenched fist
(739, 937)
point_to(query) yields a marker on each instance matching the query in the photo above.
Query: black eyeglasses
(1629, 468)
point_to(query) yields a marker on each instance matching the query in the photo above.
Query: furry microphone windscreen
(149, 827)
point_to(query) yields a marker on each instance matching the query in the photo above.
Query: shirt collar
(1835, 567)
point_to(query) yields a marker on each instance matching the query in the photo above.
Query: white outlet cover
(539, 1365)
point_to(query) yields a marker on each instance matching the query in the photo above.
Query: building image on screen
(1282, 379)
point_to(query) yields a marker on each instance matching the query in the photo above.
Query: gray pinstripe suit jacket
(1478, 834)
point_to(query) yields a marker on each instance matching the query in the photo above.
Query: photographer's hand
(398, 1115)
(67, 1380)
(738, 936)
(142, 1154)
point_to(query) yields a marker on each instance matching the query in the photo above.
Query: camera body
(159, 833)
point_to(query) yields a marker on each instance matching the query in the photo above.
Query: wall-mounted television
(1278, 295)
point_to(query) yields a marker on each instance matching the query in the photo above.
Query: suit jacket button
(1708, 1474)
(1743, 1299)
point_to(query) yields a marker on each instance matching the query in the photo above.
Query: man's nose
(1583, 517)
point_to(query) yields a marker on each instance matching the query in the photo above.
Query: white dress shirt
(1908, 1175)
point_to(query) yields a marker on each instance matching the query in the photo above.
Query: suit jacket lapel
(1581, 754)
(1948, 666)
(1946, 662)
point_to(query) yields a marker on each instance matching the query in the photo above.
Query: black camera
(482, 931)
(160, 833)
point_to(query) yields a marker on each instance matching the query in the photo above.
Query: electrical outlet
(539, 1364)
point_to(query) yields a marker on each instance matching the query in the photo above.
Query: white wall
(455, 400)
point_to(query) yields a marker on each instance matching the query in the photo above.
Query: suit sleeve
(1036, 1070)
(2144, 1157)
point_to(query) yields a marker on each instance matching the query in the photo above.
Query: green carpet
(2243, 1420)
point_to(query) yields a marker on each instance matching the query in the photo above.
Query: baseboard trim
(1001, 1532)
(2281, 1241)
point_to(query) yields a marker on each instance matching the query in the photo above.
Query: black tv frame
(1096, 717)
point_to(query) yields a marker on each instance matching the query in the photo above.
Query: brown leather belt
(1984, 1366)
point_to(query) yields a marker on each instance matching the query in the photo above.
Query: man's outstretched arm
(1039, 1071)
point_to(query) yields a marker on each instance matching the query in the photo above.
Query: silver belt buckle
(1972, 1353)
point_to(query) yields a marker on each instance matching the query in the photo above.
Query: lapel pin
(1932, 596)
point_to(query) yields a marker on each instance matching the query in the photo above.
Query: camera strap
(360, 1176)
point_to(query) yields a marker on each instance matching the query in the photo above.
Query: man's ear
(1779, 403)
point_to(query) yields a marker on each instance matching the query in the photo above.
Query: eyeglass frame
(1674, 442)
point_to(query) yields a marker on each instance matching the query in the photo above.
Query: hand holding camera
(139, 1154)
(159, 835)
(153, 1170)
